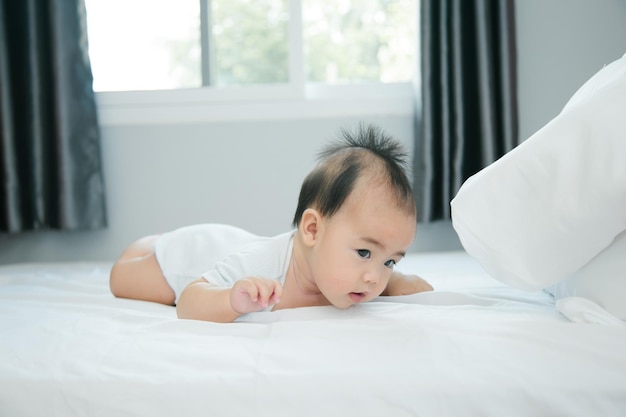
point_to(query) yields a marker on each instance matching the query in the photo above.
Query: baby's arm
(201, 300)
(400, 284)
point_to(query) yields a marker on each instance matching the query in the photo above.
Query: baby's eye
(390, 263)
(364, 253)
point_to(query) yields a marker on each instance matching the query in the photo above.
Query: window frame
(253, 103)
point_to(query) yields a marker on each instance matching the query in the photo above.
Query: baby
(356, 218)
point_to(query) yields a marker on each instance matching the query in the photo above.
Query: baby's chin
(341, 304)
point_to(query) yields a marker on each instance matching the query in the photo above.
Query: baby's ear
(309, 226)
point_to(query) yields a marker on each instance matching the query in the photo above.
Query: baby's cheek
(373, 294)
(380, 288)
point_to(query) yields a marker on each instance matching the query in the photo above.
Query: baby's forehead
(377, 189)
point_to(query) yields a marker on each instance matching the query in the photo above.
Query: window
(143, 44)
(248, 49)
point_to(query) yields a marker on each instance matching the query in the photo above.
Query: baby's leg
(137, 274)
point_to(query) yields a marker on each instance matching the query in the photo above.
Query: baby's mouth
(357, 297)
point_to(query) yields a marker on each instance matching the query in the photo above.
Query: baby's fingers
(254, 294)
(269, 292)
(244, 296)
(277, 293)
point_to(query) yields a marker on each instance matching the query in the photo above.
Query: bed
(473, 347)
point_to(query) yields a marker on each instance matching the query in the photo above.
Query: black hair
(342, 163)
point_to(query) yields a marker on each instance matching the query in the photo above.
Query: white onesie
(221, 254)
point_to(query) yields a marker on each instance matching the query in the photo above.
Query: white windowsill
(252, 103)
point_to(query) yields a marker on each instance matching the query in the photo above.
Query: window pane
(359, 40)
(250, 41)
(144, 44)
(156, 44)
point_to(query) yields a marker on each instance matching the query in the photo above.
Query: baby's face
(359, 246)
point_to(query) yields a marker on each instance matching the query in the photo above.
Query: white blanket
(473, 348)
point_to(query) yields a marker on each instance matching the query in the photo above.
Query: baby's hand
(254, 294)
(401, 284)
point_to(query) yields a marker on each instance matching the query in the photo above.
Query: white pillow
(549, 206)
(602, 280)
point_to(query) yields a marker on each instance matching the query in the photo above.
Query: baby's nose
(371, 276)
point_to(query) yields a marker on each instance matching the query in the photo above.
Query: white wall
(561, 44)
(248, 173)
(162, 176)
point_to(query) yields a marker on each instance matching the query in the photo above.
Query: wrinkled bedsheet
(473, 347)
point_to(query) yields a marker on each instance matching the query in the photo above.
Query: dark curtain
(467, 117)
(49, 138)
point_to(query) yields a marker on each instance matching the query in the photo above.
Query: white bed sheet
(473, 348)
